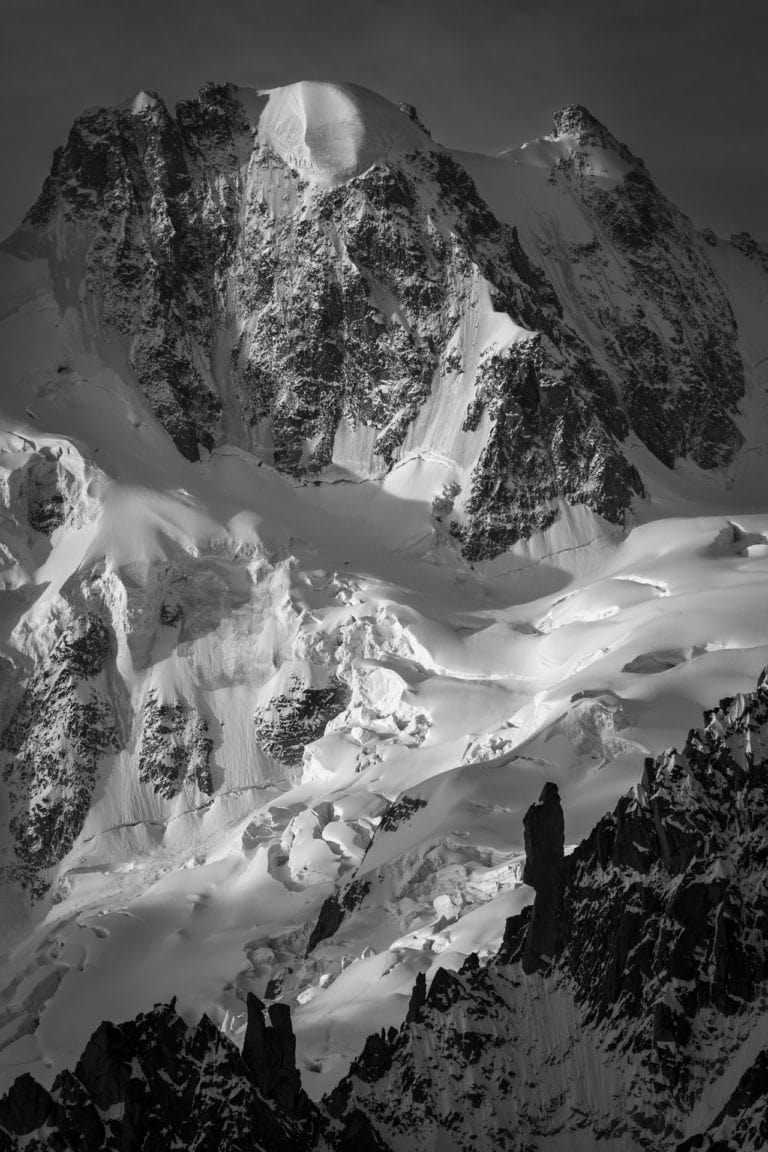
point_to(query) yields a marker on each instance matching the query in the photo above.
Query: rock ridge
(659, 980)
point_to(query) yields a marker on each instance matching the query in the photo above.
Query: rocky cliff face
(647, 1025)
(174, 747)
(544, 871)
(283, 372)
(627, 1005)
(325, 321)
(323, 317)
(674, 349)
(54, 745)
(635, 278)
(154, 1081)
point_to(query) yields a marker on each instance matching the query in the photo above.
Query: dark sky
(683, 82)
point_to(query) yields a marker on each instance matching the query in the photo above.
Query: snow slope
(290, 655)
(334, 131)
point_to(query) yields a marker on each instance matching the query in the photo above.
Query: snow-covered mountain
(625, 1008)
(353, 490)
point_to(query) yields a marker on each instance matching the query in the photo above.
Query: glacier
(352, 489)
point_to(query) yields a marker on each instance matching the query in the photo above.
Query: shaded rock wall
(63, 726)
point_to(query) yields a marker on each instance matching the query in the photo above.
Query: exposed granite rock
(333, 909)
(576, 120)
(749, 247)
(661, 983)
(669, 339)
(297, 716)
(662, 979)
(376, 1058)
(319, 348)
(44, 489)
(349, 303)
(400, 811)
(412, 114)
(269, 1054)
(555, 420)
(152, 1083)
(357, 1135)
(174, 747)
(544, 831)
(46, 502)
(133, 198)
(546, 442)
(418, 998)
(171, 613)
(55, 741)
(673, 873)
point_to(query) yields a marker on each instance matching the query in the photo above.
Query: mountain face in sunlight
(336, 294)
(358, 497)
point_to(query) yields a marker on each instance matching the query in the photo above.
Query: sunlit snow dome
(334, 131)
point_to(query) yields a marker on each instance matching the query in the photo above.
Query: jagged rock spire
(544, 831)
(418, 998)
(152, 1082)
(269, 1053)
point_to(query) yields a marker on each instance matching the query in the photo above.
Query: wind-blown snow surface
(244, 607)
(334, 131)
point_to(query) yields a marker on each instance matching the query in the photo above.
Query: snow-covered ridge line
(318, 496)
(334, 131)
(333, 326)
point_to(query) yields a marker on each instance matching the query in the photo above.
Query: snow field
(569, 658)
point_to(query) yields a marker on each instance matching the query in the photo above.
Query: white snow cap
(143, 101)
(334, 131)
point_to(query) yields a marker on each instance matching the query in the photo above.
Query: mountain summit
(299, 272)
(371, 516)
(577, 122)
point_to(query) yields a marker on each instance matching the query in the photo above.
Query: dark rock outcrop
(46, 483)
(269, 1054)
(62, 728)
(297, 716)
(577, 121)
(669, 337)
(129, 185)
(544, 832)
(660, 979)
(400, 812)
(345, 310)
(418, 997)
(174, 747)
(245, 296)
(630, 1019)
(153, 1083)
(333, 910)
(348, 303)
